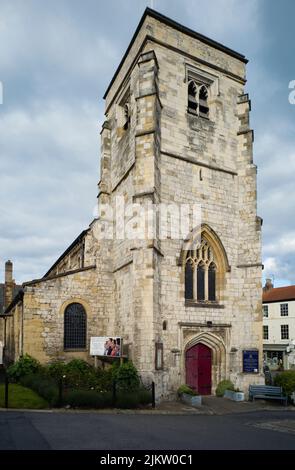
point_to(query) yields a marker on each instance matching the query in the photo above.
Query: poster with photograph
(105, 346)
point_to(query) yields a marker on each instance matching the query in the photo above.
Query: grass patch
(22, 397)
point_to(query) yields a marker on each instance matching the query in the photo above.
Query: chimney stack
(268, 285)
(9, 283)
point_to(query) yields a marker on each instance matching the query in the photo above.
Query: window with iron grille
(284, 331)
(265, 332)
(75, 327)
(265, 311)
(284, 310)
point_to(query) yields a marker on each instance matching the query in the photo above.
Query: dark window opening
(200, 282)
(189, 281)
(192, 97)
(126, 116)
(265, 332)
(203, 102)
(212, 282)
(75, 327)
(164, 325)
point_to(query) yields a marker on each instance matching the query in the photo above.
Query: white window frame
(284, 310)
(265, 311)
(265, 329)
(284, 330)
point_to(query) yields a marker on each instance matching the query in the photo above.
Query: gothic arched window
(200, 273)
(198, 99)
(75, 327)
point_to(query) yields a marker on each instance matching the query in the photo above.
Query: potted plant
(189, 396)
(226, 389)
(236, 395)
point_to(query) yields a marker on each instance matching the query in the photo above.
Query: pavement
(211, 405)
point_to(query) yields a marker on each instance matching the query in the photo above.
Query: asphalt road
(274, 430)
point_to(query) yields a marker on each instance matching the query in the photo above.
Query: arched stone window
(75, 327)
(198, 99)
(205, 264)
(200, 273)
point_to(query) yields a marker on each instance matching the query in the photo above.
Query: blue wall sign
(250, 361)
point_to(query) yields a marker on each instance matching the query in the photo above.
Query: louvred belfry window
(75, 327)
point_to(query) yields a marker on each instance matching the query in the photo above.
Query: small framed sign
(251, 361)
(159, 356)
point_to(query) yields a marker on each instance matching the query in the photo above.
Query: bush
(127, 400)
(79, 374)
(56, 370)
(78, 366)
(88, 399)
(286, 380)
(185, 389)
(144, 397)
(222, 386)
(126, 376)
(45, 387)
(26, 365)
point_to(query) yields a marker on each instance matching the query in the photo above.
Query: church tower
(177, 133)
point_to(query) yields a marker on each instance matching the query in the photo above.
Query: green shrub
(45, 387)
(126, 377)
(286, 380)
(127, 400)
(222, 386)
(56, 369)
(144, 397)
(103, 379)
(88, 399)
(185, 389)
(26, 365)
(78, 366)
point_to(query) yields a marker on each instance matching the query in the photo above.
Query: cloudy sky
(56, 60)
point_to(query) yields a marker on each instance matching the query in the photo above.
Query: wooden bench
(267, 392)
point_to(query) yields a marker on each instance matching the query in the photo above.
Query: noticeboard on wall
(251, 361)
(106, 346)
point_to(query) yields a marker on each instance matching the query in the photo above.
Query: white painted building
(279, 326)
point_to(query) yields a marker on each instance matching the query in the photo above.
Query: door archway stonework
(217, 346)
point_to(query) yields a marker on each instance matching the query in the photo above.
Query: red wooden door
(198, 364)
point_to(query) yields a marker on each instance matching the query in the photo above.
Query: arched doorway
(198, 367)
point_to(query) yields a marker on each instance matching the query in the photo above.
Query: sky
(56, 61)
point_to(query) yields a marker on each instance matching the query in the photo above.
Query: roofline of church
(18, 298)
(75, 242)
(181, 28)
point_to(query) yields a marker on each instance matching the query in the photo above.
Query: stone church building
(176, 131)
